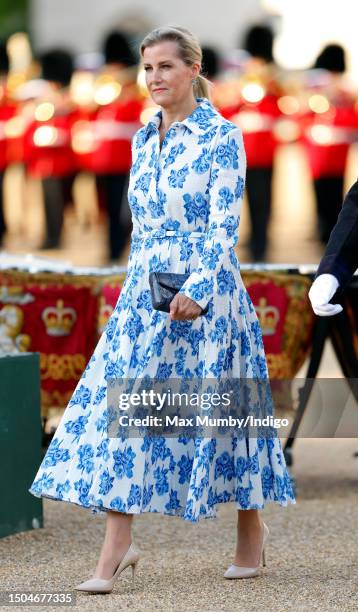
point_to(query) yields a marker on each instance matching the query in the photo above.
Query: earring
(194, 82)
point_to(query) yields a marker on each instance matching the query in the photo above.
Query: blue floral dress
(185, 198)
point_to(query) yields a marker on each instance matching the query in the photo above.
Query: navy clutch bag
(164, 286)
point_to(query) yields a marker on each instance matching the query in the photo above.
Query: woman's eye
(146, 68)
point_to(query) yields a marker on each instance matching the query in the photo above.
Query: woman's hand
(183, 308)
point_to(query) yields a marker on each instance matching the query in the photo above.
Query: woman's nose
(156, 76)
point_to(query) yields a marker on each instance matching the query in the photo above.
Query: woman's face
(168, 78)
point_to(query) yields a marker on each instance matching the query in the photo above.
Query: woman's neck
(177, 113)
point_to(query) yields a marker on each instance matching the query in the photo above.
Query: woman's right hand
(183, 308)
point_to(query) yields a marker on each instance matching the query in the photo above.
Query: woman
(185, 157)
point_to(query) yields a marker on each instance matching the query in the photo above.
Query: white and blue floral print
(185, 198)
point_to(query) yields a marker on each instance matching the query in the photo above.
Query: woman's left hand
(183, 308)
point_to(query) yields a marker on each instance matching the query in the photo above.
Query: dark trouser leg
(119, 230)
(67, 187)
(2, 218)
(54, 205)
(259, 194)
(329, 198)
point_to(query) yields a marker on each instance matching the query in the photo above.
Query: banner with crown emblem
(54, 315)
(286, 319)
(62, 316)
(108, 297)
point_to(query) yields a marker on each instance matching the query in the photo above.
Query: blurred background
(72, 95)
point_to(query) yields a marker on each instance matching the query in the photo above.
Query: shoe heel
(263, 557)
(266, 534)
(134, 568)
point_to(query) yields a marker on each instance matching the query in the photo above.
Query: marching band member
(117, 119)
(329, 127)
(48, 152)
(256, 113)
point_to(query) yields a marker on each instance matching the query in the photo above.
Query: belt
(163, 233)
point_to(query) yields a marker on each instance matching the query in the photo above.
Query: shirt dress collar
(191, 121)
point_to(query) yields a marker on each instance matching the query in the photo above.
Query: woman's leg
(117, 540)
(249, 538)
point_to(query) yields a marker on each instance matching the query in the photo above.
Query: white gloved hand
(322, 290)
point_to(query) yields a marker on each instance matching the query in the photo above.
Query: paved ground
(312, 561)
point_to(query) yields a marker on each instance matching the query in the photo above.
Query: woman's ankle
(120, 541)
(250, 524)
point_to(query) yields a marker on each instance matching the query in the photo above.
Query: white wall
(308, 25)
(80, 24)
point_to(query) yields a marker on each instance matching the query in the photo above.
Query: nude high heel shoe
(100, 585)
(236, 571)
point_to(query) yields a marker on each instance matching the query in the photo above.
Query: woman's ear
(195, 70)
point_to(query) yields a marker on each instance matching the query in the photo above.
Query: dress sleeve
(226, 189)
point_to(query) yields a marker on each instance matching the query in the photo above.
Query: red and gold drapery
(62, 316)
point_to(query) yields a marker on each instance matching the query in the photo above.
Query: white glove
(322, 290)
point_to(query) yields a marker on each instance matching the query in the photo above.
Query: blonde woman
(185, 193)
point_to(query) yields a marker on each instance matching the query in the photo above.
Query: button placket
(158, 166)
(152, 193)
(159, 160)
(160, 157)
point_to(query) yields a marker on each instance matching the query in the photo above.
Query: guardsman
(48, 151)
(329, 126)
(119, 108)
(256, 113)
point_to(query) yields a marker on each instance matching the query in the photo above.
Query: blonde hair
(189, 51)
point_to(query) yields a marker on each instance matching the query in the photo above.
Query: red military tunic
(258, 122)
(256, 112)
(329, 125)
(83, 142)
(47, 149)
(7, 112)
(327, 138)
(114, 127)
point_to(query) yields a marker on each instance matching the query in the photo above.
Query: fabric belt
(163, 233)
